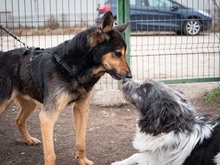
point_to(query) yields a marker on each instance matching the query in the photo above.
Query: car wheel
(192, 27)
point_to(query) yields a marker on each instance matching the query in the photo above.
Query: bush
(213, 97)
(52, 23)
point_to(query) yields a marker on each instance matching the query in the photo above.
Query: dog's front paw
(85, 161)
(32, 141)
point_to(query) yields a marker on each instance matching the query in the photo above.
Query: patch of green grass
(213, 97)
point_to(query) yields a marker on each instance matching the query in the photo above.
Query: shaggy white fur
(165, 148)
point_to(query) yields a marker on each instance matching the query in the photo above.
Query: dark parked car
(161, 15)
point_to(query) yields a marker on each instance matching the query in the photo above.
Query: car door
(153, 15)
(165, 16)
(141, 15)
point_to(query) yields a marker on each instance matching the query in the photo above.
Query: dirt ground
(109, 134)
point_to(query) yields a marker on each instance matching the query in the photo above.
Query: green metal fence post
(127, 32)
(123, 15)
(120, 11)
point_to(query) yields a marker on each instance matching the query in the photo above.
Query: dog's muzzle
(129, 75)
(120, 76)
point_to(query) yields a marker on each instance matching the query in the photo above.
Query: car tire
(179, 32)
(192, 27)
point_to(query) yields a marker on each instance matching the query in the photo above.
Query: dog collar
(72, 72)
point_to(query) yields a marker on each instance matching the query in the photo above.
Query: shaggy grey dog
(169, 132)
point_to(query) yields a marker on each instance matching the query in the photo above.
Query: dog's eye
(144, 88)
(118, 54)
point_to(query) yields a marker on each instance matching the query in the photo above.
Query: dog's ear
(106, 24)
(122, 27)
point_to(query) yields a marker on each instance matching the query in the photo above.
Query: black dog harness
(72, 72)
(36, 51)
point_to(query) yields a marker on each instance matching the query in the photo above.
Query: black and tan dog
(59, 76)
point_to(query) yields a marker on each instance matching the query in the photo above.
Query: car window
(139, 2)
(160, 3)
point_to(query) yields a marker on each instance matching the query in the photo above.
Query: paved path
(106, 98)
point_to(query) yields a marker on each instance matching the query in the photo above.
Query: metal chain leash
(14, 36)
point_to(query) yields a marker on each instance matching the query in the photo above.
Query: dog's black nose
(128, 75)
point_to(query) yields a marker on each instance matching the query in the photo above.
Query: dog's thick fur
(169, 132)
(41, 76)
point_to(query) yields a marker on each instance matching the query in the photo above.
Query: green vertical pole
(123, 15)
(127, 32)
(120, 11)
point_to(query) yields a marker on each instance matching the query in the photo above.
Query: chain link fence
(155, 53)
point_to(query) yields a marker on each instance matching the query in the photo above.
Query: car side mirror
(174, 7)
